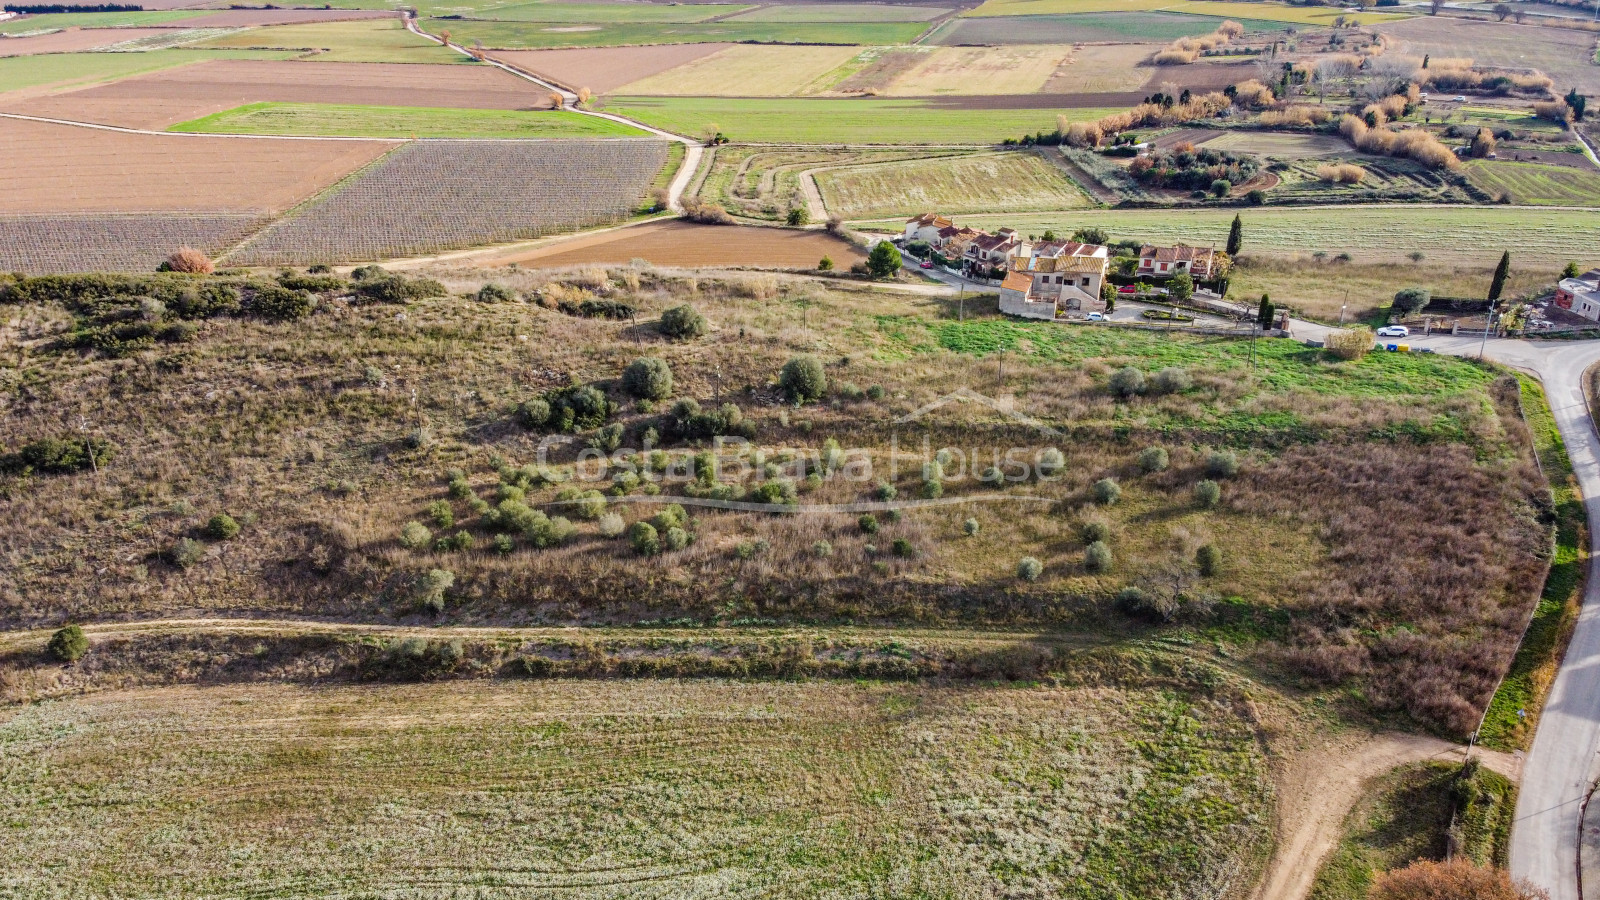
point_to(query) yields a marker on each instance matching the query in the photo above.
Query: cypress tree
(1235, 236)
(1266, 312)
(1500, 274)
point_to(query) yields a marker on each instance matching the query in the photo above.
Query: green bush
(549, 531)
(611, 525)
(970, 527)
(1153, 459)
(932, 489)
(59, 456)
(221, 527)
(1208, 559)
(188, 553)
(383, 287)
(648, 378)
(822, 549)
(608, 438)
(868, 524)
(644, 538)
(875, 393)
(885, 492)
(429, 590)
(1106, 491)
(1411, 300)
(276, 303)
(1127, 382)
(776, 491)
(903, 548)
(1029, 569)
(577, 408)
(1095, 532)
(502, 544)
(68, 644)
(441, 514)
(415, 535)
(1222, 464)
(495, 293)
(1097, 557)
(534, 413)
(1208, 493)
(1171, 380)
(683, 323)
(1051, 462)
(589, 505)
(803, 380)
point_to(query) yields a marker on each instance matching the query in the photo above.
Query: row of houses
(1045, 279)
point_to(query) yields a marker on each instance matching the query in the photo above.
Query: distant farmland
(325, 119)
(431, 196)
(1020, 181)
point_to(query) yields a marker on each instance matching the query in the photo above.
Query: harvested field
(1535, 183)
(1019, 181)
(604, 69)
(875, 68)
(841, 12)
(1101, 69)
(62, 169)
(248, 18)
(165, 98)
(611, 789)
(74, 40)
(1084, 27)
(536, 35)
(1564, 54)
(1282, 146)
(748, 70)
(383, 40)
(982, 70)
(677, 243)
(431, 196)
(119, 242)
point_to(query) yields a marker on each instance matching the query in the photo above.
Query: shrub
(590, 504)
(1051, 462)
(932, 489)
(1171, 380)
(68, 644)
(1097, 557)
(1153, 459)
(415, 535)
(608, 438)
(822, 549)
(1208, 493)
(188, 553)
(1341, 173)
(59, 456)
(971, 527)
(441, 513)
(648, 378)
(1350, 344)
(1208, 559)
(1029, 569)
(190, 261)
(868, 524)
(494, 293)
(683, 323)
(1127, 382)
(221, 527)
(802, 379)
(276, 303)
(430, 589)
(903, 548)
(457, 542)
(549, 531)
(676, 539)
(885, 492)
(1096, 533)
(1459, 879)
(1106, 491)
(1411, 300)
(611, 525)
(502, 544)
(875, 393)
(383, 287)
(1222, 464)
(776, 491)
(577, 408)
(534, 413)
(645, 540)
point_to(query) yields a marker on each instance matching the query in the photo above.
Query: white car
(1096, 317)
(1394, 331)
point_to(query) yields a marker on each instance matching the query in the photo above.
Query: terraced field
(627, 789)
(1014, 181)
(1395, 180)
(1536, 183)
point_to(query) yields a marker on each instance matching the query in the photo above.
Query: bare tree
(1434, 6)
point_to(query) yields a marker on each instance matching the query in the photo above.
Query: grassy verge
(1419, 812)
(404, 121)
(839, 121)
(1528, 680)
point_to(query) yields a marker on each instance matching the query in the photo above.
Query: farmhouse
(991, 250)
(1202, 264)
(926, 228)
(1581, 294)
(1054, 277)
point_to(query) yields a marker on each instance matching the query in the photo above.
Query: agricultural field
(536, 35)
(691, 246)
(431, 196)
(982, 70)
(55, 169)
(160, 99)
(746, 70)
(586, 13)
(1281, 145)
(829, 121)
(114, 242)
(1536, 184)
(697, 787)
(1296, 15)
(79, 40)
(56, 21)
(55, 71)
(1018, 181)
(604, 69)
(1385, 179)
(373, 41)
(762, 183)
(842, 12)
(1080, 27)
(1565, 54)
(249, 18)
(328, 119)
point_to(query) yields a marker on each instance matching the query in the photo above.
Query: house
(1055, 277)
(953, 241)
(990, 251)
(926, 227)
(1581, 295)
(1202, 264)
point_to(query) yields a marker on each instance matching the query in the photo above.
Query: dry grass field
(1565, 54)
(160, 99)
(688, 245)
(842, 12)
(633, 789)
(74, 40)
(54, 169)
(1102, 69)
(748, 70)
(1019, 181)
(604, 69)
(982, 70)
(373, 40)
(255, 18)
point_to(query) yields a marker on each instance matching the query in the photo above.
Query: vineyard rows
(96, 242)
(431, 196)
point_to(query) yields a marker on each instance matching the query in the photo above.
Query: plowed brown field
(601, 69)
(685, 244)
(73, 40)
(164, 98)
(66, 169)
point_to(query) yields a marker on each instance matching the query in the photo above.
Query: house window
(1086, 281)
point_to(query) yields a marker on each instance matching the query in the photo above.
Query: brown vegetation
(1186, 50)
(1296, 116)
(190, 261)
(1413, 143)
(1341, 173)
(1458, 879)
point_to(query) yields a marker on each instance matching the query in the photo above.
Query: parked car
(927, 264)
(1394, 331)
(1097, 317)
(1127, 289)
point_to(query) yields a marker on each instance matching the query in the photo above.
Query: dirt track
(1320, 786)
(679, 243)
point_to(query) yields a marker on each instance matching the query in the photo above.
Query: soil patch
(1195, 136)
(66, 169)
(164, 98)
(677, 243)
(603, 69)
(73, 40)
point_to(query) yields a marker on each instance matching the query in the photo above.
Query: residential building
(991, 251)
(1581, 295)
(926, 228)
(1201, 263)
(1055, 277)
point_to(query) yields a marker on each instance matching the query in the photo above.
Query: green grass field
(1370, 233)
(404, 121)
(1275, 12)
(841, 12)
(534, 35)
(1100, 26)
(73, 69)
(1018, 181)
(871, 121)
(373, 40)
(612, 789)
(1537, 184)
(53, 21)
(665, 14)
